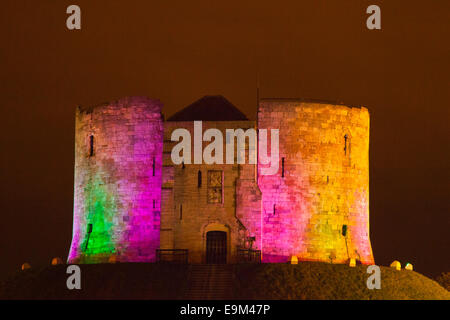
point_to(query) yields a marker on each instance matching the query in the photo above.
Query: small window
(91, 146)
(214, 186)
(153, 166)
(88, 231)
(282, 167)
(345, 143)
(344, 230)
(199, 179)
(181, 212)
(347, 147)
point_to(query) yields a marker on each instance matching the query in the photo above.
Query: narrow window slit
(153, 166)
(89, 231)
(91, 146)
(345, 146)
(282, 167)
(199, 179)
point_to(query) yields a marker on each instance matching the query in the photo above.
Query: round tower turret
(117, 188)
(317, 206)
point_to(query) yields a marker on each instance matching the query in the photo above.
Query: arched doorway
(216, 247)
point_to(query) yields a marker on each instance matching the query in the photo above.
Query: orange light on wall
(316, 206)
(112, 259)
(56, 261)
(25, 266)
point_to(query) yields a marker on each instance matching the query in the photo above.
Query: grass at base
(323, 281)
(99, 281)
(307, 280)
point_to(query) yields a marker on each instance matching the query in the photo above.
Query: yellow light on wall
(294, 260)
(409, 267)
(396, 264)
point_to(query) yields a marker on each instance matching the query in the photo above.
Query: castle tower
(117, 189)
(317, 206)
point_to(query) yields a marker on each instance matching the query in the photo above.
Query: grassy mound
(315, 280)
(99, 281)
(307, 280)
(444, 280)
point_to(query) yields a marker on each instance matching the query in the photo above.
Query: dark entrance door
(216, 247)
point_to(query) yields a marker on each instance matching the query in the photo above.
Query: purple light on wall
(116, 186)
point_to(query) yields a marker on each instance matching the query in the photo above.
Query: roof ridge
(209, 108)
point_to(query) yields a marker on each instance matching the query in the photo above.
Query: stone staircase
(210, 282)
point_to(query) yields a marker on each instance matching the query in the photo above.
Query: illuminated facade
(324, 191)
(130, 199)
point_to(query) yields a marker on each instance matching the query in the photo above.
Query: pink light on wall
(117, 184)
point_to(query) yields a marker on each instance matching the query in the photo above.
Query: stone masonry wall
(117, 182)
(325, 185)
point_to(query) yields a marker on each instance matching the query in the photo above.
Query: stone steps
(210, 282)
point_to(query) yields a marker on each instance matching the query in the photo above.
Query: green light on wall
(101, 210)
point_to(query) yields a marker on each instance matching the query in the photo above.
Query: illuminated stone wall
(117, 185)
(325, 185)
(137, 200)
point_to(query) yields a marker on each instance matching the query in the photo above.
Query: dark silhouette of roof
(209, 108)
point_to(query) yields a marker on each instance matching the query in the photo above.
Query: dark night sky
(178, 51)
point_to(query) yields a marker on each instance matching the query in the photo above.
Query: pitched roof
(209, 108)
